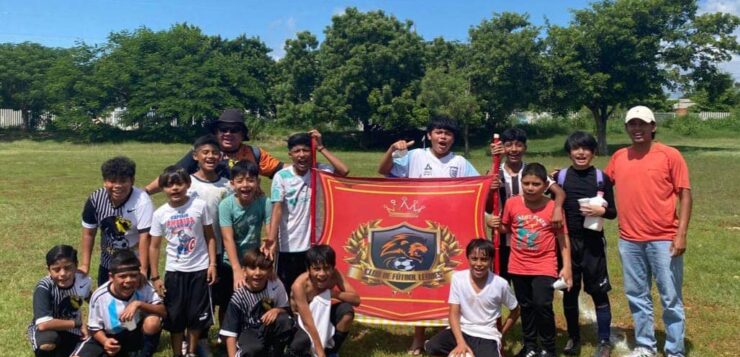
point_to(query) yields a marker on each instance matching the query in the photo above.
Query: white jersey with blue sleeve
(422, 163)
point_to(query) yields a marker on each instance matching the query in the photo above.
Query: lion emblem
(403, 252)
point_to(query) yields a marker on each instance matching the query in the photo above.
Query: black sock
(150, 344)
(338, 338)
(604, 321)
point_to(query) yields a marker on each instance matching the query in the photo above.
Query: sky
(63, 23)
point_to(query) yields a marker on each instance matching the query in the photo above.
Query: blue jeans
(641, 261)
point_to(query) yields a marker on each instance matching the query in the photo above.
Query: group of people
(278, 294)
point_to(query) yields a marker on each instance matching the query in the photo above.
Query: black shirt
(582, 184)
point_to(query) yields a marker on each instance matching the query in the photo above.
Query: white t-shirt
(182, 226)
(293, 192)
(106, 308)
(320, 307)
(479, 311)
(421, 163)
(212, 192)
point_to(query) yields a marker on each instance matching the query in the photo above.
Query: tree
(505, 64)
(621, 53)
(23, 77)
(714, 92)
(298, 74)
(372, 64)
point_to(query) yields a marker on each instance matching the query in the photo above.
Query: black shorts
(289, 267)
(130, 341)
(444, 342)
(64, 341)
(588, 257)
(188, 301)
(301, 343)
(224, 287)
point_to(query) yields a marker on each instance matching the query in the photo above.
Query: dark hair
(442, 122)
(481, 244)
(514, 134)
(123, 260)
(244, 167)
(321, 254)
(535, 169)
(206, 140)
(173, 174)
(299, 139)
(253, 258)
(60, 252)
(118, 167)
(580, 139)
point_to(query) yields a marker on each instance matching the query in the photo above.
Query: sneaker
(572, 347)
(642, 352)
(544, 353)
(604, 349)
(526, 353)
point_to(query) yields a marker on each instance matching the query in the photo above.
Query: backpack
(599, 178)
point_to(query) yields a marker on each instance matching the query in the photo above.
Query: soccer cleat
(544, 353)
(604, 349)
(572, 347)
(642, 352)
(527, 353)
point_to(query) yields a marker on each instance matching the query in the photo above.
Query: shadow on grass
(625, 339)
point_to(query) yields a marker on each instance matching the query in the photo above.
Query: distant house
(682, 107)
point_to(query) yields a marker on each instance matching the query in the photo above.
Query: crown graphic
(404, 209)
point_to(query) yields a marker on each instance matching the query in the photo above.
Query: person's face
(230, 136)
(514, 151)
(118, 187)
(442, 140)
(245, 187)
(256, 277)
(320, 275)
(532, 187)
(301, 157)
(581, 157)
(639, 131)
(207, 157)
(479, 264)
(125, 283)
(177, 193)
(62, 272)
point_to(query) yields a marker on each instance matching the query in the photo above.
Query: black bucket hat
(231, 116)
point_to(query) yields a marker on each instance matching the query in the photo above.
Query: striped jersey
(246, 307)
(53, 302)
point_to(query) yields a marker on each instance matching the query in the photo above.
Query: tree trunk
(26, 118)
(600, 118)
(466, 137)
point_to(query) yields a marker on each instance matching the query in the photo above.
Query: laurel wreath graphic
(359, 254)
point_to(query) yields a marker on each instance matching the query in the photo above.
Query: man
(230, 131)
(650, 178)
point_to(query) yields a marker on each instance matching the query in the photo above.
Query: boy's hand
(557, 217)
(269, 249)
(678, 245)
(493, 221)
(239, 279)
(159, 287)
(130, 311)
(84, 331)
(496, 149)
(316, 136)
(111, 346)
(402, 145)
(211, 275)
(84, 269)
(495, 184)
(462, 350)
(567, 276)
(593, 210)
(270, 316)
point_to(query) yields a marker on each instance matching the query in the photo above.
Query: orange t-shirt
(533, 239)
(646, 191)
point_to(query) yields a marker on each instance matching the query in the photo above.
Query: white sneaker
(642, 352)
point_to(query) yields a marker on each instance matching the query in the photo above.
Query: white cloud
(729, 6)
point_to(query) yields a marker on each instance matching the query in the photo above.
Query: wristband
(154, 278)
(320, 148)
(78, 323)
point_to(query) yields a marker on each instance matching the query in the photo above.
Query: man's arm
(211, 274)
(462, 348)
(557, 212)
(339, 167)
(88, 241)
(566, 273)
(678, 245)
(386, 163)
(187, 162)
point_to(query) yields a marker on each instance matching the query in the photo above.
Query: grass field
(44, 185)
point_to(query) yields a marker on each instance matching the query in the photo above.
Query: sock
(604, 321)
(571, 318)
(150, 344)
(339, 338)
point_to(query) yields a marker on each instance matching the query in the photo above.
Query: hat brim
(213, 126)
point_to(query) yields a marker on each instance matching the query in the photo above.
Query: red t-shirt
(533, 239)
(646, 191)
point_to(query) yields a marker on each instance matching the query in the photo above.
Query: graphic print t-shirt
(246, 307)
(119, 226)
(53, 302)
(421, 163)
(105, 308)
(533, 240)
(182, 227)
(212, 193)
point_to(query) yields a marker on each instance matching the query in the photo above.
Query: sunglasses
(229, 129)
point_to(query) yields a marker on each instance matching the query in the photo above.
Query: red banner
(398, 241)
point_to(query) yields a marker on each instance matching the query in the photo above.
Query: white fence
(10, 118)
(714, 115)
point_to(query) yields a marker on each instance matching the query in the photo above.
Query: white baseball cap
(640, 112)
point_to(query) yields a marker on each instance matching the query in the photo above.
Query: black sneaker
(572, 347)
(544, 353)
(527, 353)
(604, 349)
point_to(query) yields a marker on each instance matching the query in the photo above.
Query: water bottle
(595, 223)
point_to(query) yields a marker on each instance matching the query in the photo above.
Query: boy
(434, 162)
(257, 322)
(513, 146)
(476, 298)
(57, 320)
(652, 179)
(323, 327)
(125, 315)
(191, 259)
(587, 247)
(290, 225)
(123, 213)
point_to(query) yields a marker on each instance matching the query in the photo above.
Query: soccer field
(44, 185)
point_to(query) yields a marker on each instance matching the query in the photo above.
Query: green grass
(45, 183)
